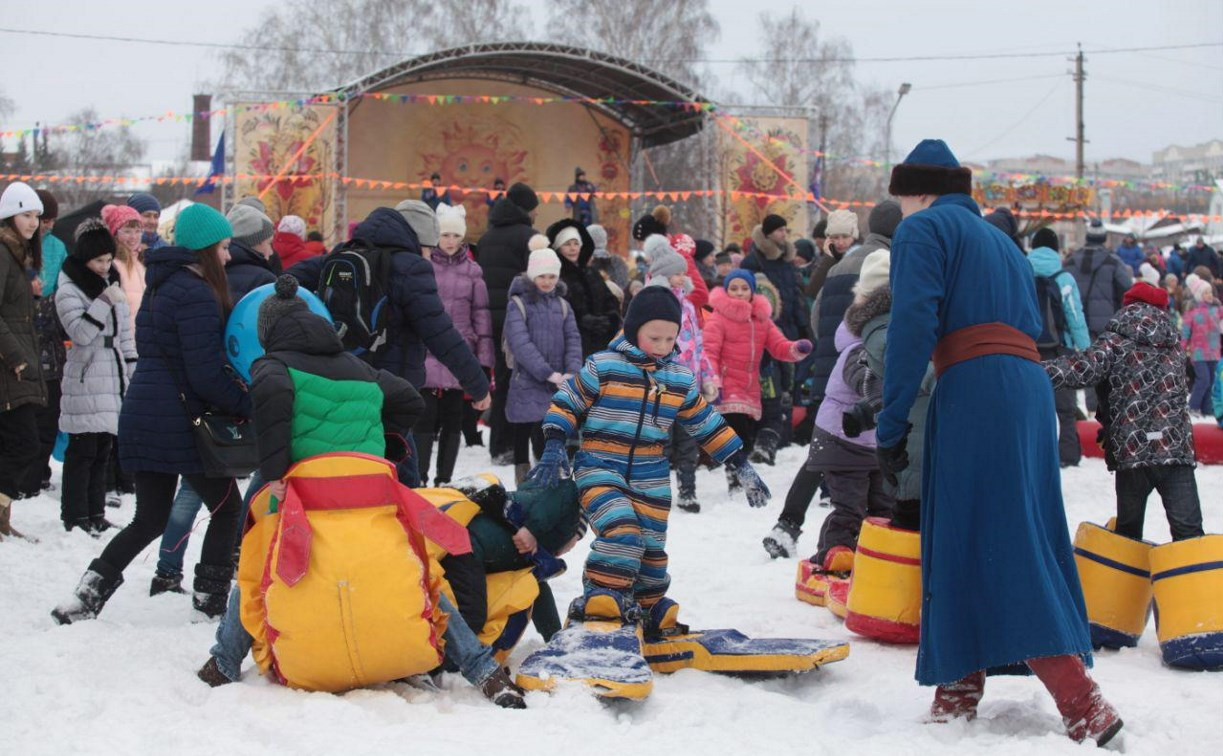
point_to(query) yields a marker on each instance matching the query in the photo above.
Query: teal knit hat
(198, 226)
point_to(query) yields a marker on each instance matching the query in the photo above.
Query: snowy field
(125, 683)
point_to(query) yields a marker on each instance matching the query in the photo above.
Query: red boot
(1083, 709)
(958, 699)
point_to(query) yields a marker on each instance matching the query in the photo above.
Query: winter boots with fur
(782, 540)
(97, 585)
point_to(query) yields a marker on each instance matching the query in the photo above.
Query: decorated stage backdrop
(753, 155)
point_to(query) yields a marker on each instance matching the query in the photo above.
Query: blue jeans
(1203, 381)
(177, 535)
(474, 659)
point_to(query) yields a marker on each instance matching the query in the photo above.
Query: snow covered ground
(125, 683)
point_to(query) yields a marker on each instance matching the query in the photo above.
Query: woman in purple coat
(460, 284)
(543, 342)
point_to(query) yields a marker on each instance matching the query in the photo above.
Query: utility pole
(1078, 138)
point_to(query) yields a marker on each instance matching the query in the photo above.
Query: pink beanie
(1198, 287)
(542, 262)
(117, 216)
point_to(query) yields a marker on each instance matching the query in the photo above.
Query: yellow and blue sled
(732, 652)
(604, 655)
(1116, 575)
(1188, 580)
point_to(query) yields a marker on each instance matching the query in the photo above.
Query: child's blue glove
(552, 466)
(757, 492)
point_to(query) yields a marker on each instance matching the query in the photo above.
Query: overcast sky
(1135, 102)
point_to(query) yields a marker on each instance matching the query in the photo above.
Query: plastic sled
(242, 345)
(732, 652)
(606, 656)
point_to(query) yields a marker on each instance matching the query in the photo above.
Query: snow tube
(241, 337)
(885, 591)
(1188, 580)
(1116, 575)
(1207, 441)
(337, 590)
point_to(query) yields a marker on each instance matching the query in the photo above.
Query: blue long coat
(999, 581)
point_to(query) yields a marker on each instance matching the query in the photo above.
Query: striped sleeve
(706, 425)
(571, 402)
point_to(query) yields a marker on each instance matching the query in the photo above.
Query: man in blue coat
(999, 585)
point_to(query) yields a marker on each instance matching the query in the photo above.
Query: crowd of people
(618, 367)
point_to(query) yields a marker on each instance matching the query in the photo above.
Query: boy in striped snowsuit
(624, 401)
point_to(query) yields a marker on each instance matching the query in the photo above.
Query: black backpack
(353, 283)
(1053, 317)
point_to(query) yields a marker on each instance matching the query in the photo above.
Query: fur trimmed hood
(769, 248)
(737, 310)
(877, 303)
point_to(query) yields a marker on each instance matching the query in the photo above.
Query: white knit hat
(1148, 273)
(543, 262)
(19, 198)
(842, 223)
(876, 269)
(292, 224)
(568, 233)
(655, 246)
(538, 241)
(452, 220)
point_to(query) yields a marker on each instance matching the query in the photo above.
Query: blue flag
(216, 169)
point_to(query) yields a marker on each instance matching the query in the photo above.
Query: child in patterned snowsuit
(624, 401)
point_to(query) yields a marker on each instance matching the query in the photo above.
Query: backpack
(505, 342)
(353, 284)
(1053, 317)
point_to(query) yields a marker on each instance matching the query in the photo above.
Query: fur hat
(842, 223)
(92, 239)
(292, 224)
(884, 218)
(655, 222)
(251, 227)
(771, 223)
(739, 273)
(651, 303)
(655, 246)
(667, 265)
(452, 219)
(422, 219)
(566, 234)
(198, 226)
(117, 216)
(1046, 237)
(1148, 273)
(1146, 293)
(523, 196)
(931, 168)
(875, 271)
(283, 301)
(143, 202)
(19, 198)
(543, 262)
(1096, 233)
(50, 206)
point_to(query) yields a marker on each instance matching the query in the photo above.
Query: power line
(1018, 123)
(921, 88)
(892, 59)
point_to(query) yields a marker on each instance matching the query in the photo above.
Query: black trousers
(116, 479)
(18, 447)
(684, 455)
(500, 434)
(442, 421)
(798, 498)
(1178, 489)
(154, 498)
(47, 419)
(528, 437)
(1069, 450)
(83, 487)
(744, 427)
(856, 495)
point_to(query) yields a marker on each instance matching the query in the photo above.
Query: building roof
(566, 71)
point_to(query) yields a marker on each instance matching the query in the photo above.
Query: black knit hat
(93, 239)
(651, 303)
(1046, 237)
(523, 196)
(771, 223)
(805, 248)
(282, 302)
(704, 248)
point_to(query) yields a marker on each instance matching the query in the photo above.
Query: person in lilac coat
(546, 348)
(460, 284)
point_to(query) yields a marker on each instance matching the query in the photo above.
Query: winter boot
(211, 594)
(485, 490)
(83, 524)
(501, 690)
(6, 526)
(211, 673)
(99, 524)
(782, 540)
(687, 500)
(733, 487)
(601, 604)
(547, 566)
(1083, 709)
(164, 582)
(765, 452)
(663, 620)
(958, 699)
(505, 458)
(520, 473)
(97, 585)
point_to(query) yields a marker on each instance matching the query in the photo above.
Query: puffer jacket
(18, 342)
(179, 339)
(547, 341)
(460, 284)
(690, 342)
(1103, 280)
(132, 278)
(312, 397)
(844, 389)
(246, 270)
(1046, 262)
(292, 249)
(835, 297)
(777, 262)
(737, 333)
(1200, 332)
(1139, 364)
(103, 356)
(503, 254)
(597, 310)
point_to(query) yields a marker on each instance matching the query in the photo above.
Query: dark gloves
(859, 419)
(552, 466)
(757, 492)
(894, 458)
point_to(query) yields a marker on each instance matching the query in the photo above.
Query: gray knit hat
(668, 264)
(423, 221)
(282, 302)
(251, 227)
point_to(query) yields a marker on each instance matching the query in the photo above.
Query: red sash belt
(980, 341)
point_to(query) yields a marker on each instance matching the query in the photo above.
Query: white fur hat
(543, 262)
(19, 198)
(842, 223)
(452, 219)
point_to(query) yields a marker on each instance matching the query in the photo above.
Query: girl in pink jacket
(737, 332)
